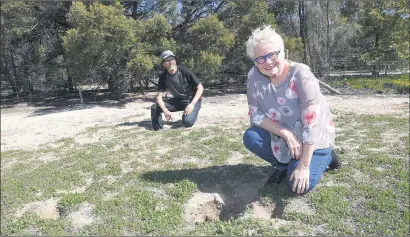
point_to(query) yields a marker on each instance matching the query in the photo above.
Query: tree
(31, 45)
(16, 25)
(152, 37)
(241, 17)
(209, 40)
(384, 25)
(145, 9)
(99, 44)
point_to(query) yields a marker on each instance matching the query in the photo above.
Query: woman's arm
(307, 87)
(258, 118)
(294, 145)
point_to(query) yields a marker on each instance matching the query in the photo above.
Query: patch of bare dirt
(258, 211)
(299, 205)
(235, 158)
(82, 217)
(48, 158)
(203, 207)
(43, 209)
(187, 159)
(392, 105)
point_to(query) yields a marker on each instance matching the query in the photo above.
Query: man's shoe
(276, 177)
(335, 163)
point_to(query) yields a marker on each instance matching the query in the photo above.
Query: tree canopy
(61, 45)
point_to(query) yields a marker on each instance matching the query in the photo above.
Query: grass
(137, 182)
(397, 83)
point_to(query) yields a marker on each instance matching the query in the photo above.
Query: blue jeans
(258, 141)
(174, 105)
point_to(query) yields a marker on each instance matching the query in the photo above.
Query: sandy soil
(23, 127)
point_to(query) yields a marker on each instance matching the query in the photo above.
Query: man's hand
(300, 177)
(189, 109)
(168, 115)
(294, 145)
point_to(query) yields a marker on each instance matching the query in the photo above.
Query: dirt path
(23, 128)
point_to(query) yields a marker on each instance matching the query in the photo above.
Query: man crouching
(186, 91)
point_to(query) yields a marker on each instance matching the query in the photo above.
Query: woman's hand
(294, 145)
(300, 177)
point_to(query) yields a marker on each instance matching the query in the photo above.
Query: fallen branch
(331, 89)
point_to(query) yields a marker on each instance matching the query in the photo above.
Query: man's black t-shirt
(181, 85)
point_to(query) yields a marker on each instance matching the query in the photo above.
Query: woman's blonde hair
(264, 34)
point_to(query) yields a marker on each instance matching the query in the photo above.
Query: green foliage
(69, 202)
(98, 42)
(386, 27)
(151, 39)
(208, 63)
(141, 64)
(209, 40)
(402, 86)
(399, 84)
(16, 19)
(31, 49)
(241, 17)
(46, 44)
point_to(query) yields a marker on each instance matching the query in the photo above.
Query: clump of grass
(397, 83)
(402, 85)
(69, 202)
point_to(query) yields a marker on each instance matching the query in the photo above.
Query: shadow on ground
(60, 102)
(238, 185)
(146, 124)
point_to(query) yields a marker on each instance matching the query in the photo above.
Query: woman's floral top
(297, 105)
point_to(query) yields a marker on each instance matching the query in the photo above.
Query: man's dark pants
(174, 105)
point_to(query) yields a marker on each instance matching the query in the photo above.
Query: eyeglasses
(262, 59)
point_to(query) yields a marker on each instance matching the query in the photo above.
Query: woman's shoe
(276, 177)
(335, 163)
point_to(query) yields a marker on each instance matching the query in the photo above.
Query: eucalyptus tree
(145, 9)
(16, 24)
(209, 41)
(323, 20)
(99, 44)
(152, 37)
(385, 32)
(241, 17)
(31, 45)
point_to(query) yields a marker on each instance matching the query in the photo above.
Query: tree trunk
(80, 93)
(327, 40)
(8, 75)
(111, 84)
(70, 83)
(141, 87)
(303, 30)
(147, 81)
(13, 64)
(375, 67)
